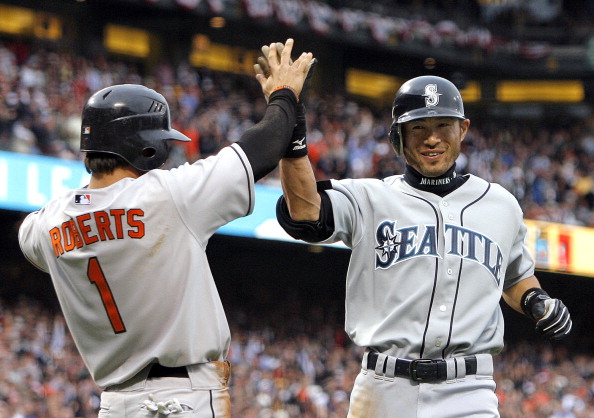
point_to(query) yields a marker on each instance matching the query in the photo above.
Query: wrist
(530, 298)
(284, 86)
(298, 145)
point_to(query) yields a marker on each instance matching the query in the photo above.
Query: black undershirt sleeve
(266, 142)
(310, 231)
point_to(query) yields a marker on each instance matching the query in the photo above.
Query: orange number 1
(96, 276)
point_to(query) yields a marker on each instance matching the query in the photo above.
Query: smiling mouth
(431, 154)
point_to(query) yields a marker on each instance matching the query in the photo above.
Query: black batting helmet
(423, 97)
(131, 121)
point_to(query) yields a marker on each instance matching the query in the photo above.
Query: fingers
(264, 66)
(285, 51)
(261, 78)
(279, 48)
(561, 331)
(556, 322)
(304, 62)
(283, 55)
(278, 53)
(276, 68)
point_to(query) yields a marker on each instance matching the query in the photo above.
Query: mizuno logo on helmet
(431, 95)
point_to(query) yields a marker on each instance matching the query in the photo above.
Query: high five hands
(276, 70)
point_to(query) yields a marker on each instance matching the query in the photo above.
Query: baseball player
(126, 254)
(433, 252)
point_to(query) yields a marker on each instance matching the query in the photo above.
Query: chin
(433, 171)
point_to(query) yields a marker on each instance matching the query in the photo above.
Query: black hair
(103, 163)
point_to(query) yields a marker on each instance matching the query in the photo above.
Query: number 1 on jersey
(96, 276)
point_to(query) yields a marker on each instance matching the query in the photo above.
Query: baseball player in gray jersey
(432, 255)
(126, 254)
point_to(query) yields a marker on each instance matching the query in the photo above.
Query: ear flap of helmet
(395, 136)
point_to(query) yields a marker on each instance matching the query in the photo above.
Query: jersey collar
(441, 186)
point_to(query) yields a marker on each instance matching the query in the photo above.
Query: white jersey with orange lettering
(427, 272)
(99, 280)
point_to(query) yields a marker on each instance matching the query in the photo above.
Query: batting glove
(551, 315)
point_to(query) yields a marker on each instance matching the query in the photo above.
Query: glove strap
(529, 298)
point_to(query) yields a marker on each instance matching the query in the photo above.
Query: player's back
(129, 267)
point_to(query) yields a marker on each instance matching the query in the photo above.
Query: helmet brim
(429, 113)
(162, 134)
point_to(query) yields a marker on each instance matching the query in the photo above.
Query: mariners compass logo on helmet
(431, 95)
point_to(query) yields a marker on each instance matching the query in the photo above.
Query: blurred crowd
(547, 165)
(285, 364)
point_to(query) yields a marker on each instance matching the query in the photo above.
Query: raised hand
(277, 70)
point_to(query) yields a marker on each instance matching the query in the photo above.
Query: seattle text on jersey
(396, 245)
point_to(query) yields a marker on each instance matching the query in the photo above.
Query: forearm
(513, 295)
(299, 188)
(266, 142)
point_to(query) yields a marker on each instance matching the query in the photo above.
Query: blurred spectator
(282, 365)
(546, 166)
(287, 363)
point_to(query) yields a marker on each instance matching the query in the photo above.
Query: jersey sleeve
(214, 191)
(29, 242)
(521, 264)
(347, 213)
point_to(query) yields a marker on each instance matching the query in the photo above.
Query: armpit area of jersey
(309, 231)
(266, 142)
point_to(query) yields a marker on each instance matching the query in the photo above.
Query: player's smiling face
(431, 145)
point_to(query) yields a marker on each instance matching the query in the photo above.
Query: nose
(432, 139)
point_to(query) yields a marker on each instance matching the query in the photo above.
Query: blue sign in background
(27, 182)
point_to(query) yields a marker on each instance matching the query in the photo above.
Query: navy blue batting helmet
(131, 121)
(423, 97)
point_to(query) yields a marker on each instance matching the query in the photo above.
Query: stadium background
(263, 276)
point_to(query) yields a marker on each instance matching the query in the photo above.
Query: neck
(440, 185)
(101, 180)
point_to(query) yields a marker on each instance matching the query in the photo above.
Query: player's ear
(464, 125)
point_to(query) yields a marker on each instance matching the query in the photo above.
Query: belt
(420, 370)
(161, 371)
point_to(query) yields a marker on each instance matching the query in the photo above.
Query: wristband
(530, 298)
(298, 146)
(284, 86)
